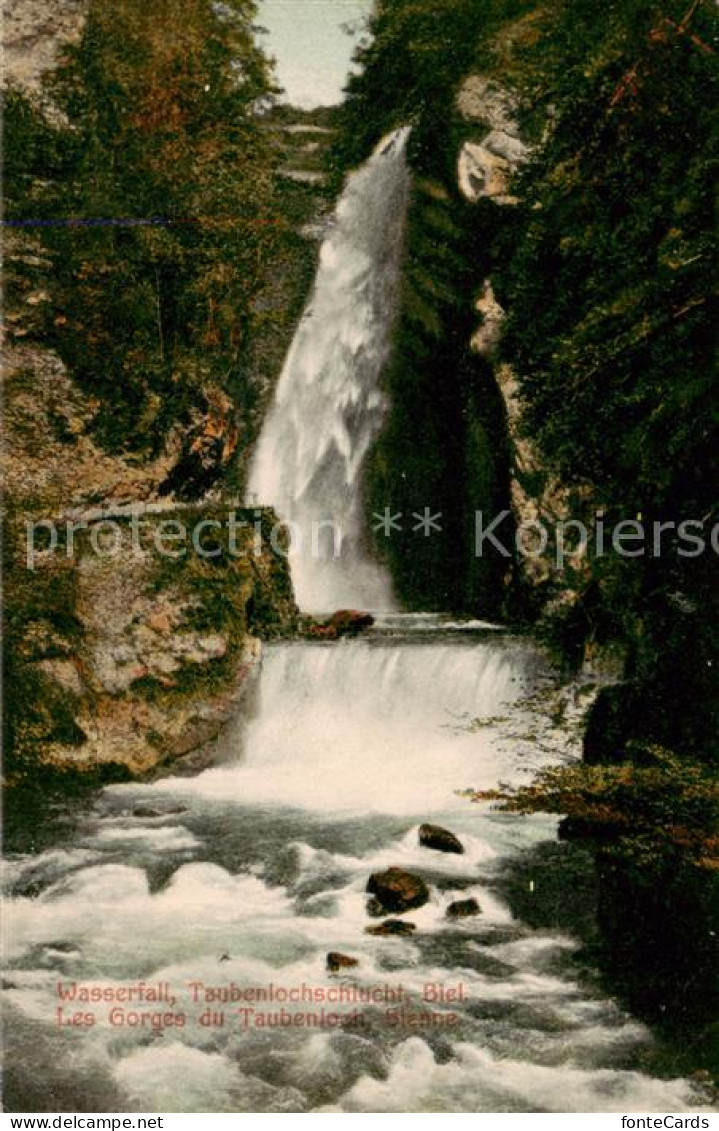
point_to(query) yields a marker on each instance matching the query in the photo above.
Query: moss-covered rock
(121, 657)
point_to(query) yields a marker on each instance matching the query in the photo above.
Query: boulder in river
(463, 909)
(348, 622)
(442, 840)
(396, 890)
(337, 961)
(345, 622)
(392, 927)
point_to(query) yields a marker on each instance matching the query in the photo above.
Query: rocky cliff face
(123, 651)
(454, 441)
(120, 657)
(485, 169)
(129, 649)
(492, 154)
(34, 33)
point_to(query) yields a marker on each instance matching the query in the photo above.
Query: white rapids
(246, 876)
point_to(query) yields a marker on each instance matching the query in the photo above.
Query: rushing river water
(243, 878)
(167, 943)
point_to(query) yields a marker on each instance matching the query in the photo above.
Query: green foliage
(611, 312)
(609, 288)
(39, 623)
(159, 120)
(657, 807)
(408, 69)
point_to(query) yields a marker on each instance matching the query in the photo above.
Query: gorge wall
(554, 346)
(127, 645)
(130, 389)
(454, 443)
(555, 359)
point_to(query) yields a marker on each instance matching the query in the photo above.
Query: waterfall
(329, 406)
(377, 725)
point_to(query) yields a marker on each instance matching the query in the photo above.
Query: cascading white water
(340, 727)
(247, 875)
(329, 406)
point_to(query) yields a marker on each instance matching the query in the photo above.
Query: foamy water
(260, 871)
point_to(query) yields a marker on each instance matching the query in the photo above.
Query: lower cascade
(209, 944)
(329, 405)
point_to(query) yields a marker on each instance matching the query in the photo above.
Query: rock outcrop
(34, 33)
(392, 928)
(441, 840)
(485, 167)
(396, 890)
(337, 961)
(484, 100)
(124, 661)
(463, 909)
(345, 622)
